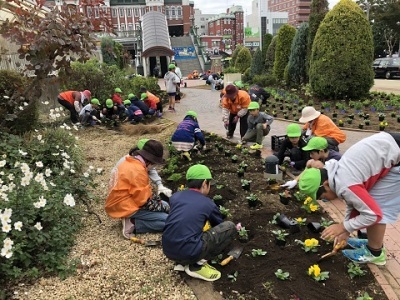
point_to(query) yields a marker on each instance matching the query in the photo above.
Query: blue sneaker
(363, 256)
(356, 243)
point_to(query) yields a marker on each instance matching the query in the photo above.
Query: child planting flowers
(315, 272)
(309, 245)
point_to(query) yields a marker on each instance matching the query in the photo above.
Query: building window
(96, 12)
(136, 12)
(89, 11)
(201, 19)
(229, 31)
(114, 12)
(172, 11)
(130, 27)
(129, 12)
(122, 27)
(179, 11)
(121, 12)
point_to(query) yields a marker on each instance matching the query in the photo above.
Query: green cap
(293, 130)
(117, 90)
(310, 181)
(192, 113)
(171, 66)
(130, 96)
(141, 143)
(95, 101)
(127, 102)
(239, 84)
(253, 105)
(316, 143)
(143, 96)
(198, 172)
(109, 103)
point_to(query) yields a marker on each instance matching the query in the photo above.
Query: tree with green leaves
(342, 54)
(266, 40)
(235, 54)
(282, 52)
(270, 55)
(318, 10)
(390, 17)
(257, 64)
(297, 71)
(243, 60)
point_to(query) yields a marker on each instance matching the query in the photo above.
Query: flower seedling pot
(314, 227)
(284, 200)
(257, 153)
(234, 160)
(243, 239)
(227, 153)
(240, 174)
(252, 203)
(246, 187)
(286, 223)
(280, 243)
(219, 202)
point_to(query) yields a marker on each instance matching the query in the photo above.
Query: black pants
(243, 125)
(160, 107)
(74, 115)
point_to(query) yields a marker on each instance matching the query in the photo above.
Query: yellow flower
(239, 146)
(317, 270)
(182, 187)
(311, 270)
(308, 243)
(308, 200)
(313, 207)
(299, 219)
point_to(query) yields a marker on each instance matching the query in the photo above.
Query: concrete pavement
(206, 103)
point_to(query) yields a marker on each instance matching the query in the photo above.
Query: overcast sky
(220, 6)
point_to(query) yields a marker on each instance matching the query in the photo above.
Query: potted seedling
(382, 125)
(258, 252)
(285, 222)
(314, 227)
(234, 158)
(245, 184)
(282, 275)
(309, 245)
(243, 233)
(341, 124)
(243, 165)
(366, 116)
(365, 296)
(325, 222)
(218, 200)
(381, 117)
(224, 212)
(257, 153)
(219, 147)
(227, 153)
(245, 150)
(354, 270)
(349, 121)
(280, 237)
(393, 114)
(398, 118)
(315, 272)
(285, 197)
(367, 122)
(240, 172)
(360, 126)
(334, 114)
(252, 200)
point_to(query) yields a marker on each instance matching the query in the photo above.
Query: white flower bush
(40, 218)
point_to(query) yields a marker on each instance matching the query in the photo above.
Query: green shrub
(235, 54)
(270, 56)
(111, 52)
(265, 80)
(257, 64)
(41, 207)
(243, 60)
(342, 54)
(266, 41)
(230, 70)
(246, 76)
(282, 52)
(296, 70)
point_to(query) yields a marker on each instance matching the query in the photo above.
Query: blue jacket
(189, 211)
(132, 109)
(188, 131)
(142, 106)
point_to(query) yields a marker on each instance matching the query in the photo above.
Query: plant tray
(276, 142)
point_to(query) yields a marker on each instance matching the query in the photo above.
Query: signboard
(184, 53)
(252, 44)
(252, 32)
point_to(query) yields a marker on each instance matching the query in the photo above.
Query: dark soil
(256, 278)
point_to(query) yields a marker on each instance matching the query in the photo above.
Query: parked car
(387, 67)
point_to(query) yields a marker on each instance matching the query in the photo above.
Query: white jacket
(171, 80)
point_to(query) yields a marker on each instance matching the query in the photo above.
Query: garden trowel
(145, 243)
(234, 253)
(335, 250)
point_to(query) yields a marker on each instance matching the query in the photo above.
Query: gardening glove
(286, 159)
(235, 119)
(292, 163)
(164, 190)
(290, 184)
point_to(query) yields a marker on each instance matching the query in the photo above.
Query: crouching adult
(184, 240)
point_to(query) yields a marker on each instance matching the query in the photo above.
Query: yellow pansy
(313, 207)
(299, 219)
(239, 146)
(314, 242)
(308, 243)
(311, 270)
(308, 200)
(182, 187)
(317, 270)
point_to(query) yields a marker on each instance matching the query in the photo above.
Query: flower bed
(255, 276)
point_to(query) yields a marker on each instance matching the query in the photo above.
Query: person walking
(171, 83)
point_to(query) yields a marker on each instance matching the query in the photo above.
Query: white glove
(204, 148)
(164, 190)
(290, 184)
(286, 159)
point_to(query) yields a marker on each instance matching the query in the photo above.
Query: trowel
(335, 250)
(145, 243)
(234, 253)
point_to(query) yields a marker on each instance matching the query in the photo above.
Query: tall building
(225, 30)
(201, 21)
(271, 21)
(298, 10)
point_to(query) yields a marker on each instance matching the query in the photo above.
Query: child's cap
(95, 101)
(316, 143)
(192, 113)
(143, 96)
(109, 103)
(199, 172)
(131, 95)
(127, 102)
(293, 130)
(118, 90)
(171, 67)
(310, 181)
(141, 143)
(253, 105)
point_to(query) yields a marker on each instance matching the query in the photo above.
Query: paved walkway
(206, 103)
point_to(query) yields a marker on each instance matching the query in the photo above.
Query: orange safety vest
(67, 96)
(324, 126)
(153, 97)
(242, 100)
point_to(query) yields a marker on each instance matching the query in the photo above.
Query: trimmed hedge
(297, 71)
(270, 56)
(282, 52)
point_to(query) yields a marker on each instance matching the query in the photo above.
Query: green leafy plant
(217, 197)
(365, 296)
(258, 252)
(243, 164)
(252, 197)
(224, 211)
(245, 150)
(315, 272)
(274, 219)
(219, 186)
(245, 182)
(281, 274)
(175, 177)
(217, 259)
(354, 270)
(233, 276)
(234, 157)
(301, 221)
(280, 234)
(309, 245)
(326, 223)
(242, 231)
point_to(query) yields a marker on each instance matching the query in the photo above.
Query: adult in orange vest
(131, 197)
(73, 101)
(153, 97)
(234, 108)
(318, 124)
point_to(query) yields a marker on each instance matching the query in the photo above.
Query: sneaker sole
(195, 275)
